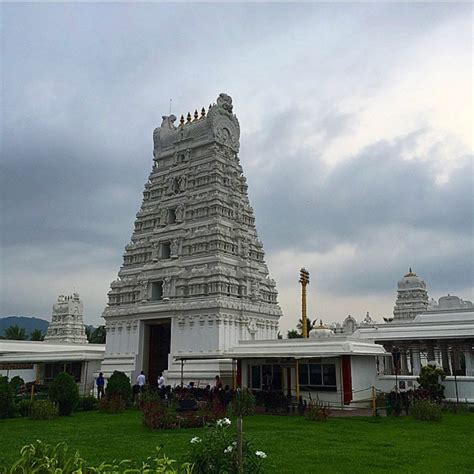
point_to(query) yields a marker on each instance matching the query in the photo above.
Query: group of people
(141, 382)
(223, 394)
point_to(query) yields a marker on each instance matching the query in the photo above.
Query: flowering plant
(223, 422)
(217, 452)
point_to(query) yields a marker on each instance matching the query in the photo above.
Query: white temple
(67, 325)
(193, 275)
(423, 330)
(412, 297)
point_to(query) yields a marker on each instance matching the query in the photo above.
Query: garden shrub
(148, 395)
(426, 410)
(65, 393)
(88, 403)
(24, 407)
(274, 401)
(429, 379)
(394, 403)
(16, 383)
(42, 458)
(243, 403)
(153, 464)
(216, 452)
(6, 399)
(43, 410)
(317, 411)
(157, 415)
(455, 407)
(118, 385)
(112, 404)
(211, 411)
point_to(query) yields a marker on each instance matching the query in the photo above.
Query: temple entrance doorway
(159, 344)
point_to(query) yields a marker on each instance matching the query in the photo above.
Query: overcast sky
(356, 141)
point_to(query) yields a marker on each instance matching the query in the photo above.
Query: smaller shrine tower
(66, 322)
(412, 297)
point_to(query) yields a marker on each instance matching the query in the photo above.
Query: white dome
(320, 332)
(411, 281)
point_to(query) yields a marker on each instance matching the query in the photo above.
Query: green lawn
(293, 444)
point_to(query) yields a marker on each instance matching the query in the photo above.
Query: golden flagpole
(304, 280)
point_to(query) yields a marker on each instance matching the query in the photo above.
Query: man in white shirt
(161, 382)
(141, 380)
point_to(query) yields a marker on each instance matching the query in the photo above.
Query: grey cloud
(324, 207)
(83, 86)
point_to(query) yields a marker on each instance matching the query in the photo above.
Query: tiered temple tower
(66, 322)
(193, 277)
(412, 297)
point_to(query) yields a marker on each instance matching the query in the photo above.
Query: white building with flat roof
(37, 361)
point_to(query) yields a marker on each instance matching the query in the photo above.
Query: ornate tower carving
(66, 322)
(412, 297)
(194, 257)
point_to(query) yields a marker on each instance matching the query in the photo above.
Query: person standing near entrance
(161, 382)
(100, 382)
(141, 380)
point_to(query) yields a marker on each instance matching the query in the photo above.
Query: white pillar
(468, 356)
(415, 361)
(404, 362)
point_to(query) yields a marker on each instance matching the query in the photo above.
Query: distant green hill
(28, 324)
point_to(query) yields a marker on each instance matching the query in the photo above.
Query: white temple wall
(465, 385)
(364, 373)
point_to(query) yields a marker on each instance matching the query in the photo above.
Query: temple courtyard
(293, 444)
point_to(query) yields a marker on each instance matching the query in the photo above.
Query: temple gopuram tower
(412, 297)
(67, 325)
(193, 277)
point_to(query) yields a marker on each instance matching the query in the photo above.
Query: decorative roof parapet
(220, 124)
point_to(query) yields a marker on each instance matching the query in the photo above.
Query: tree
(16, 383)
(89, 331)
(37, 335)
(98, 336)
(6, 398)
(65, 393)
(15, 333)
(297, 333)
(429, 379)
(243, 404)
(119, 385)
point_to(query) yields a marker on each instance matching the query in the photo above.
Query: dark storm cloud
(55, 191)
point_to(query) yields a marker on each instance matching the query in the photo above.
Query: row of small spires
(189, 118)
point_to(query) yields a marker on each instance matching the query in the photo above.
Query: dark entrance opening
(159, 349)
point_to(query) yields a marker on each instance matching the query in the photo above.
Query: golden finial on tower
(181, 120)
(188, 118)
(196, 115)
(203, 112)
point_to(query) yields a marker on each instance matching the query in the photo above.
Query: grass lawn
(293, 444)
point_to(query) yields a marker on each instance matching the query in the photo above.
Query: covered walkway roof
(38, 351)
(291, 348)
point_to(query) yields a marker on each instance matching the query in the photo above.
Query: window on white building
(318, 376)
(266, 377)
(165, 250)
